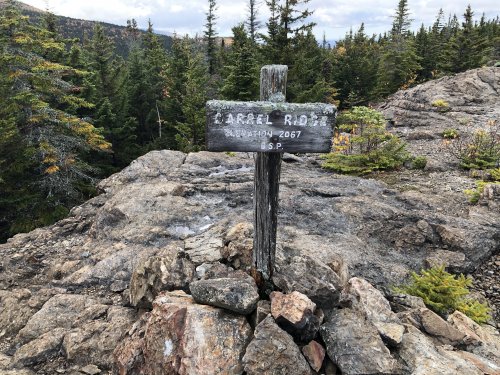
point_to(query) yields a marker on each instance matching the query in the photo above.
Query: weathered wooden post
(269, 128)
(267, 179)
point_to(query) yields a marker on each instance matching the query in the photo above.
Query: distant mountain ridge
(81, 29)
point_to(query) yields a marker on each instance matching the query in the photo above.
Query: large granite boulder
(183, 337)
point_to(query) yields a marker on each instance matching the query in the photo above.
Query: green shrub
(450, 133)
(362, 144)
(464, 121)
(419, 162)
(475, 194)
(444, 293)
(480, 150)
(495, 174)
(441, 104)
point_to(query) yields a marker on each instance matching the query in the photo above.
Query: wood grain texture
(266, 181)
(269, 126)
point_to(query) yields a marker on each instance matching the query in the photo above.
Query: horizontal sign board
(269, 127)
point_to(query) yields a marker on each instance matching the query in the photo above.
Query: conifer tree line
(74, 111)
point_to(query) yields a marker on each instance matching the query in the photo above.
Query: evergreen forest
(74, 110)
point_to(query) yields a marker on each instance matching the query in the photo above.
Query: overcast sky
(333, 17)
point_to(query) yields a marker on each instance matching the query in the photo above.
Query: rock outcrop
(117, 269)
(470, 102)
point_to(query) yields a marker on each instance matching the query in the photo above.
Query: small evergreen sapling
(363, 145)
(444, 293)
(480, 150)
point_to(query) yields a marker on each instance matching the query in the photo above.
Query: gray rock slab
(360, 295)
(5, 361)
(421, 356)
(93, 342)
(237, 295)
(273, 351)
(40, 349)
(355, 346)
(310, 277)
(152, 165)
(206, 247)
(61, 311)
(159, 273)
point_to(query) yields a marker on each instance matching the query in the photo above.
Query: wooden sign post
(269, 128)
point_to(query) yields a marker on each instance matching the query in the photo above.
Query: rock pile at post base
(362, 335)
(90, 293)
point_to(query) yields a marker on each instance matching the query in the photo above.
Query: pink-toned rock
(128, 358)
(293, 307)
(435, 326)
(315, 354)
(308, 276)
(184, 338)
(483, 364)
(295, 313)
(360, 295)
(475, 334)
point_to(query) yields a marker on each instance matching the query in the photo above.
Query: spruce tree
(424, 50)
(464, 49)
(242, 72)
(310, 76)
(399, 63)
(106, 88)
(355, 67)
(191, 131)
(133, 30)
(287, 21)
(42, 169)
(155, 59)
(271, 49)
(210, 35)
(252, 23)
(174, 78)
(437, 41)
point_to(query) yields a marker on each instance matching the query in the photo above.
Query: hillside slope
(72, 28)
